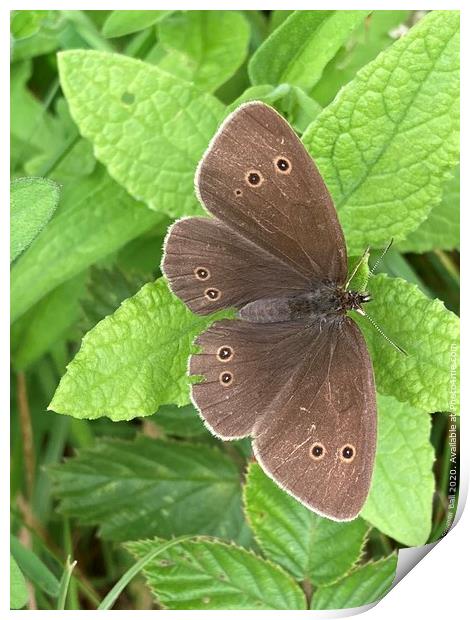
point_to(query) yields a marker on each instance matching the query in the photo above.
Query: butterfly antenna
(377, 263)
(358, 264)
(383, 334)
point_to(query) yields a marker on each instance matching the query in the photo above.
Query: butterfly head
(353, 300)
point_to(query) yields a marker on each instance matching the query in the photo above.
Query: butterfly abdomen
(323, 302)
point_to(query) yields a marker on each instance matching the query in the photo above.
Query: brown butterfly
(292, 371)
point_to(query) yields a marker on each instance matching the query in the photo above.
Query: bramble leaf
(32, 204)
(404, 461)
(149, 128)
(298, 50)
(151, 487)
(306, 545)
(134, 360)
(390, 139)
(366, 584)
(208, 574)
(204, 47)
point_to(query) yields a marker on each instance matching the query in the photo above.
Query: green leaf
(441, 231)
(204, 47)
(298, 50)
(404, 461)
(389, 140)
(18, 590)
(32, 204)
(120, 23)
(208, 574)
(33, 568)
(306, 545)
(366, 584)
(427, 331)
(23, 24)
(95, 217)
(151, 487)
(372, 36)
(134, 360)
(46, 322)
(149, 128)
(180, 421)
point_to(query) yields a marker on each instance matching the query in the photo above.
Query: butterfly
(292, 370)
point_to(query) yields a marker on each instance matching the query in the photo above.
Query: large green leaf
(204, 47)
(441, 231)
(390, 139)
(366, 584)
(32, 204)
(132, 361)
(149, 128)
(308, 546)
(208, 574)
(405, 458)
(427, 331)
(299, 49)
(120, 23)
(151, 487)
(95, 217)
(18, 590)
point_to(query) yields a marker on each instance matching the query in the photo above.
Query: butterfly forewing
(258, 178)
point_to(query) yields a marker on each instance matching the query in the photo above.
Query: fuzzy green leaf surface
(204, 47)
(120, 23)
(133, 361)
(390, 139)
(400, 499)
(441, 230)
(149, 128)
(366, 584)
(95, 217)
(151, 487)
(298, 50)
(208, 574)
(18, 590)
(306, 545)
(32, 204)
(427, 331)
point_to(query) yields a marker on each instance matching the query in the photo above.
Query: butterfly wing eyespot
(347, 453)
(225, 353)
(225, 378)
(213, 294)
(283, 165)
(317, 451)
(238, 192)
(254, 178)
(202, 273)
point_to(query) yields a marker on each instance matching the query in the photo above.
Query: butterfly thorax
(326, 301)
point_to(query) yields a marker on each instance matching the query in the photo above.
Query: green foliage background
(110, 114)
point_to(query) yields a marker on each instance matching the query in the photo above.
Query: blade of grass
(64, 582)
(113, 594)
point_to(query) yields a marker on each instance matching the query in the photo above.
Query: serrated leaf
(180, 421)
(308, 546)
(404, 461)
(427, 331)
(134, 360)
(298, 50)
(18, 590)
(366, 584)
(373, 35)
(441, 230)
(32, 204)
(120, 23)
(46, 322)
(151, 487)
(208, 574)
(95, 217)
(389, 140)
(204, 47)
(149, 128)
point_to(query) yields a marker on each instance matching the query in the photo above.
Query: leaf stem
(113, 594)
